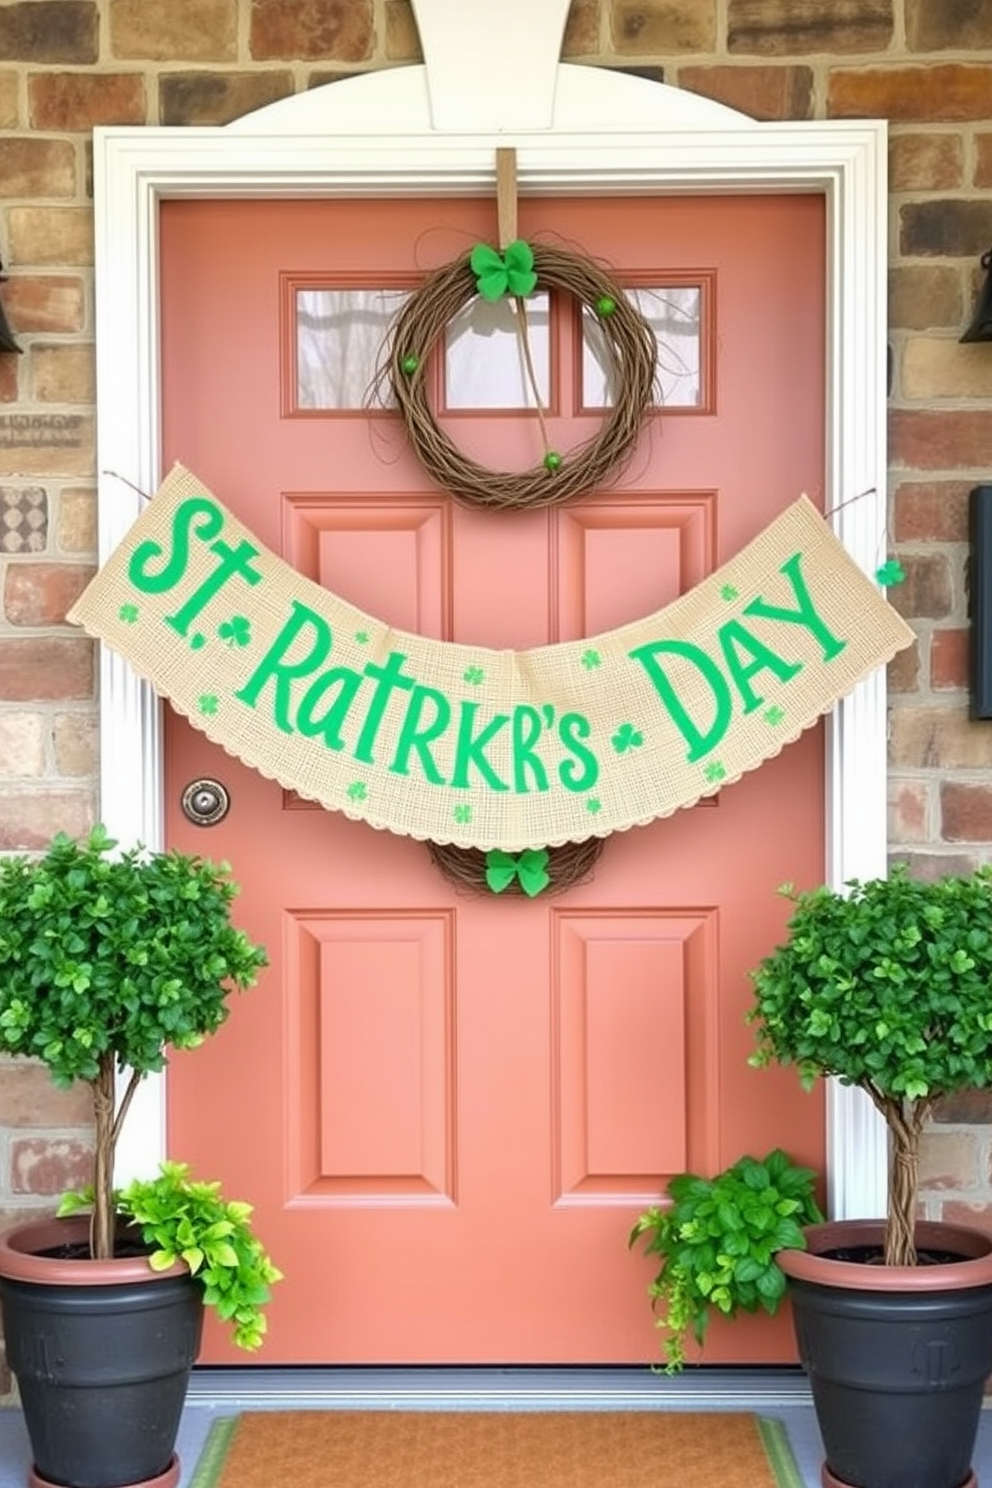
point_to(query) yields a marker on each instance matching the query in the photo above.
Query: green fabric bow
(530, 866)
(509, 272)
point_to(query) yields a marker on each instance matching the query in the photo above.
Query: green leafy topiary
(888, 987)
(717, 1241)
(183, 1219)
(109, 960)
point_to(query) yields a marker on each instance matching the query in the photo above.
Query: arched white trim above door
(609, 134)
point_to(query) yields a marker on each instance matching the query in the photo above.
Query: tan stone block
(926, 162)
(37, 167)
(77, 744)
(402, 36)
(54, 31)
(761, 92)
(81, 100)
(983, 159)
(10, 385)
(63, 374)
(45, 302)
(48, 444)
(908, 812)
(76, 518)
(9, 96)
(948, 92)
(182, 31)
(654, 27)
(215, 98)
(50, 235)
(582, 29)
(965, 1106)
(950, 658)
(947, 226)
(948, 1160)
(931, 737)
(312, 30)
(29, 820)
(931, 511)
(790, 27)
(940, 25)
(45, 669)
(966, 810)
(927, 590)
(934, 367)
(22, 745)
(28, 1098)
(924, 439)
(922, 296)
(36, 594)
(49, 1165)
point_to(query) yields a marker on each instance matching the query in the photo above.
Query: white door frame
(372, 136)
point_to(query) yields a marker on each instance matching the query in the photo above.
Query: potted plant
(888, 986)
(107, 961)
(718, 1238)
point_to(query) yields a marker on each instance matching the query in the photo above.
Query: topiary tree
(887, 986)
(109, 960)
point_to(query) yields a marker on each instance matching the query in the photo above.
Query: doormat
(496, 1449)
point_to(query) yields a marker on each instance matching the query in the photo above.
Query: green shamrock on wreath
(509, 272)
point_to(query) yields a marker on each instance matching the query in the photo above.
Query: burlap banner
(461, 744)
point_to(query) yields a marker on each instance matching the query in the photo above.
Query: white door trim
(372, 136)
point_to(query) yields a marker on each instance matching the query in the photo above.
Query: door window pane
(486, 359)
(674, 314)
(340, 336)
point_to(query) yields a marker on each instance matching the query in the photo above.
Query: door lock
(205, 802)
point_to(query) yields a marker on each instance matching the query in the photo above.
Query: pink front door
(449, 1107)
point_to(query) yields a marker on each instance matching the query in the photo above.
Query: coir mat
(496, 1449)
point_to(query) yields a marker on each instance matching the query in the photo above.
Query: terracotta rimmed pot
(897, 1356)
(102, 1352)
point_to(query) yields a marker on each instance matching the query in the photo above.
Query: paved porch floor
(778, 1393)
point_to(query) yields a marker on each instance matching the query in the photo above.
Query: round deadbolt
(205, 802)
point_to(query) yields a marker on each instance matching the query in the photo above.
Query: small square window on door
(336, 337)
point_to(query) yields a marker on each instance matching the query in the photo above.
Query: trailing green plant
(183, 1219)
(107, 961)
(887, 986)
(717, 1240)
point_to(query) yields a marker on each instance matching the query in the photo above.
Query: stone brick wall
(66, 65)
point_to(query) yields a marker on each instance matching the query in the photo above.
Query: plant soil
(874, 1255)
(125, 1249)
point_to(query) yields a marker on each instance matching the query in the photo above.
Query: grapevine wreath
(518, 272)
(631, 348)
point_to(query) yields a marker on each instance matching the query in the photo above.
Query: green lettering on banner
(233, 561)
(412, 736)
(139, 569)
(582, 771)
(328, 723)
(276, 669)
(387, 679)
(700, 742)
(805, 616)
(469, 750)
(735, 638)
(527, 729)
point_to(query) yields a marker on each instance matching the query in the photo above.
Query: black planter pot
(102, 1363)
(897, 1357)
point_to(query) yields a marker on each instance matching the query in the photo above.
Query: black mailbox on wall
(980, 602)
